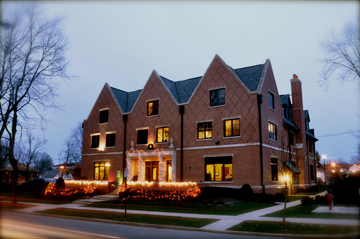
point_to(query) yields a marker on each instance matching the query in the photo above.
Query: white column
(173, 174)
(162, 169)
(128, 169)
(141, 170)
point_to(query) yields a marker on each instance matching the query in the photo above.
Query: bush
(263, 198)
(346, 191)
(215, 192)
(307, 201)
(313, 189)
(33, 185)
(60, 183)
(279, 197)
(321, 199)
(246, 193)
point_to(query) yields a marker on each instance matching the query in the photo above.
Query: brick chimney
(296, 92)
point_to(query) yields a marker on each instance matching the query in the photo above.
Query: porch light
(101, 147)
(150, 146)
(286, 178)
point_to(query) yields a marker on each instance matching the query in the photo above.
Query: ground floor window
(168, 171)
(101, 170)
(274, 169)
(152, 171)
(218, 169)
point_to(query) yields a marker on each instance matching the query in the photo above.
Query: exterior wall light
(107, 164)
(150, 146)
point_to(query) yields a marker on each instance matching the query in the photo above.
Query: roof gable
(250, 76)
(126, 100)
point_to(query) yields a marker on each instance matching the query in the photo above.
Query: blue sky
(121, 42)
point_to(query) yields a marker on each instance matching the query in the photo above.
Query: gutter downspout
(259, 101)
(125, 118)
(182, 112)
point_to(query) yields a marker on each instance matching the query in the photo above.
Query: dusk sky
(121, 43)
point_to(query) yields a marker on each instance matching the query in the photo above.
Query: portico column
(162, 169)
(141, 171)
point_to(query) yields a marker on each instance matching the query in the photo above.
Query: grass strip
(293, 228)
(139, 218)
(11, 206)
(183, 207)
(301, 211)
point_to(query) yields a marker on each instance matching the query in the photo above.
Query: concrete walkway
(224, 221)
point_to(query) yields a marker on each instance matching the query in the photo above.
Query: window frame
(205, 130)
(312, 178)
(155, 110)
(137, 136)
(271, 132)
(271, 101)
(106, 170)
(163, 134)
(102, 117)
(274, 169)
(106, 142)
(92, 141)
(232, 127)
(226, 160)
(219, 98)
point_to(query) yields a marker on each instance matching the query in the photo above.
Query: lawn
(301, 211)
(293, 228)
(184, 207)
(11, 206)
(149, 219)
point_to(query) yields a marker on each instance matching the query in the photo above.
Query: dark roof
(250, 75)
(181, 90)
(292, 168)
(290, 124)
(21, 167)
(125, 99)
(285, 99)
(51, 174)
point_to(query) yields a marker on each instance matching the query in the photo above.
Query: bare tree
(4, 154)
(32, 58)
(77, 140)
(43, 162)
(342, 55)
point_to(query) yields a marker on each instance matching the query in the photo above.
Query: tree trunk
(14, 183)
(284, 215)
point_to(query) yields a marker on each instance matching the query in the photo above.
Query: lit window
(110, 140)
(101, 170)
(162, 134)
(271, 101)
(205, 130)
(217, 97)
(272, 131)
(104, 115)
(95, 141)
(232, 127)
(152, 108)
(142, 136)
(274, 169)
(218, 169)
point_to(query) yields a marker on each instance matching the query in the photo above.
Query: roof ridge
(247, 66)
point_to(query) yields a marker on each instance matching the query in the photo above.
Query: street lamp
(324, 157)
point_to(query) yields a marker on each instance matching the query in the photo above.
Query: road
(20, 225)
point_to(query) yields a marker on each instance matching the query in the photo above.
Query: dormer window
(271, 101)
(104, 115)
(217, 97)
(152, 108)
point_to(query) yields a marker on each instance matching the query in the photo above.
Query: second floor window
(217, 97)
(310, 147)
(110, 140)
(104, 115)
(153, 108)
(162, 134)
(204, 130)
(142, 136)
(95, 141)
(271, 101)
(232, 127)
(272, 131)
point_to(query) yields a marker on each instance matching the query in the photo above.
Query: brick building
(229, 127)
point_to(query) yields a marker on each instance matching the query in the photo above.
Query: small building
(7, 174)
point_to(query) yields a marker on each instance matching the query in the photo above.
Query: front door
(152, 171)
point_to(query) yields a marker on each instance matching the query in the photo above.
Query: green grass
(301, 211)
(237, 209)
(293, 228)
(292, 198)
(322, 188)
(11, 206)
(149, 219)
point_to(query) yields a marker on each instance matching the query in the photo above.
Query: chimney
(296, 92)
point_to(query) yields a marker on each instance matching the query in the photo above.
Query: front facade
(229, 127)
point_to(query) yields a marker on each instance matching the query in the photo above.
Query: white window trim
(231, 117)
(161, 126)
(142, 128)
(155, 99)
(204, 121)
(217, 88)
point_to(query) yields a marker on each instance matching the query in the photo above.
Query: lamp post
(324, 157)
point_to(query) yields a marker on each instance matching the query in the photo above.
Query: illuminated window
(142, 136)
(274, 169)
(271, 101)
(104, 114)
(95, 141)
(152, 171)
(217, 97)
(232, 127)
(169, 171)
(218, 169)
(153, 108)
(101, 170)
(162, 134)
(204, 130)
(272, 131)
(110, 140)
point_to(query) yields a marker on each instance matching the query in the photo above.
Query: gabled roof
(285, 100)
(51, 174)
(21, 167)
(250, 75)
(126, 100)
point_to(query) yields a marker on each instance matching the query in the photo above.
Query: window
(101, 170)
(142, 136)
(274, 169)
(169, 171)
(311, 172)
(95, 141)
(271, 101)
(153, 108)
(310, 147)
(218, 169)
(110, 140)
(272, 131)
(291, 138)
(104, 115)
(204, 130)
(162, 134)
(232, 127)
(217, 97)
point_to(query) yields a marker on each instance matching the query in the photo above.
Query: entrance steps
(97, 198)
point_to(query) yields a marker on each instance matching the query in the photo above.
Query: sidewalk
(225, 221)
